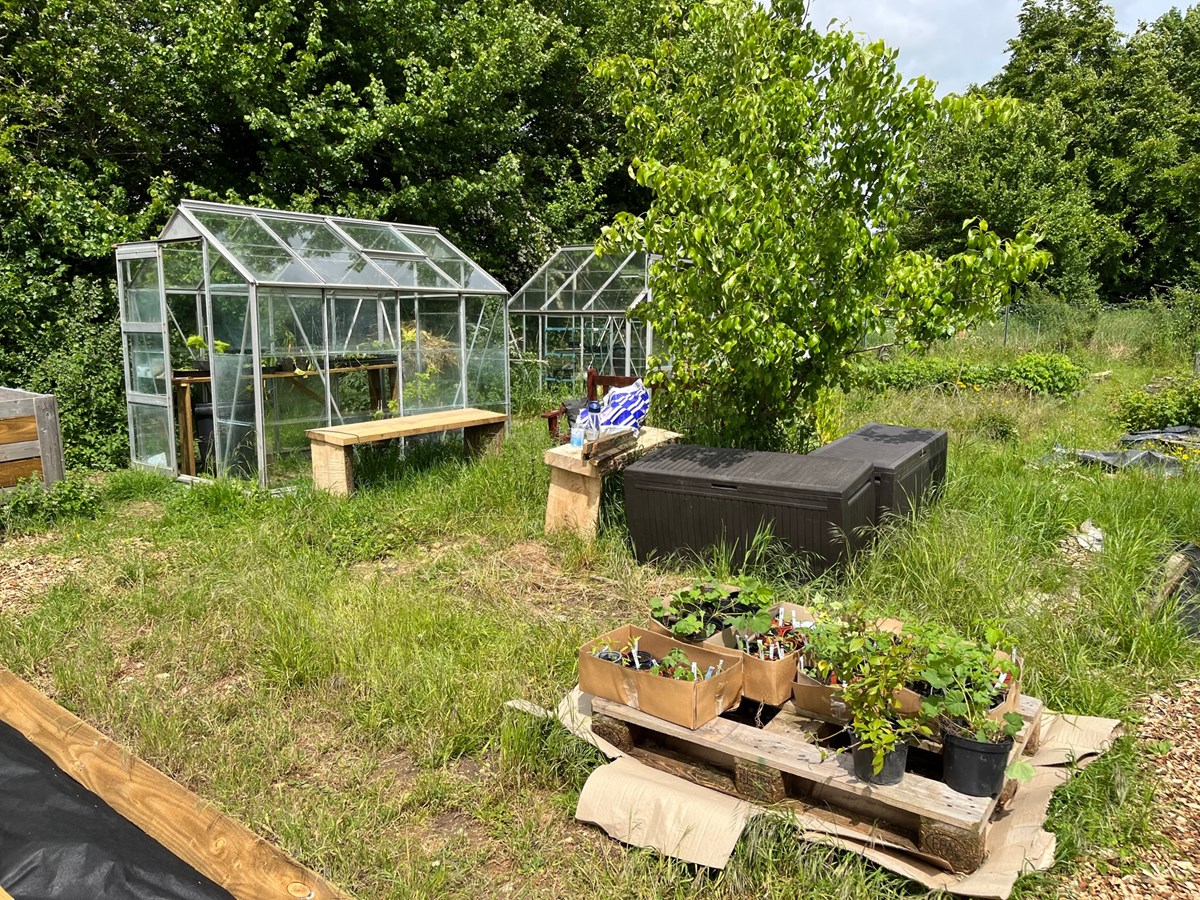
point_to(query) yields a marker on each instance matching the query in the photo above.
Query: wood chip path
(1167, 870)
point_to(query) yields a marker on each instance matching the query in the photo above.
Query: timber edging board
(30, 438)
(193, 829)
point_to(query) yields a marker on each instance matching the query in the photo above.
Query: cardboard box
(769, 680)
(687, 703)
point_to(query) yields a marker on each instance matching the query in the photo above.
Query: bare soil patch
(22, 580)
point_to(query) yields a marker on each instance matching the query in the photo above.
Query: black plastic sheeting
(1116, 460)
(59, 841)
(1187, 594)
(1184, 436)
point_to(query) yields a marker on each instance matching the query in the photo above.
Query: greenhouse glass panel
(141, 299)
(413, 273)
(487, 363)
(226, 430)
(364, 354)
(452, 262)
(147, 363)
(318, 245)
(150, 435)
(379, 237)
(253, 246)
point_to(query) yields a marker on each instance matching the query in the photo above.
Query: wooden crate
(784, 763)
(30, 440)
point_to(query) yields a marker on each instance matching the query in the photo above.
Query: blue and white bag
(625, 407)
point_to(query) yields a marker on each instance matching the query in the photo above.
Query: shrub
(29, 506)
(1060, 324)
(1174, 329)
(1051, 374)
(998, 425)
(1045, 373)
(1162, 406)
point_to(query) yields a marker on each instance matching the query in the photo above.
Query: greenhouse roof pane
(576, 279)
(453, 261)
(289, 248)
(379, 237)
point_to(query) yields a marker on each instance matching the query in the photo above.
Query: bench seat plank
(404, 426)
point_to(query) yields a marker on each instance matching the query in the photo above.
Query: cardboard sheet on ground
(645, 807)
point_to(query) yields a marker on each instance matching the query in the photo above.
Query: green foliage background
(480, 118)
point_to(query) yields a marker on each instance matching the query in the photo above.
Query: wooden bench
(332, 464)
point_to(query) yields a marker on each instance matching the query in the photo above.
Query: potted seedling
(880, 728)
(676, 665)
(198, 348)
(685, 614)
(970, 683)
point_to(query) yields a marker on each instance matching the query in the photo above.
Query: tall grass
(333, 671)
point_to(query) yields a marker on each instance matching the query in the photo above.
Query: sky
(955, 42)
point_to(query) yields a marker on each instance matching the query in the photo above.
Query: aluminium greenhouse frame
(287, 321)
(578, 311)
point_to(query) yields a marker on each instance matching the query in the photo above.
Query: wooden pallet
(785, 763)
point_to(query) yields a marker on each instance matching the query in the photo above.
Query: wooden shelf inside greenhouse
(784, 763)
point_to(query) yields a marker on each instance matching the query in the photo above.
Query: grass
(333, 672)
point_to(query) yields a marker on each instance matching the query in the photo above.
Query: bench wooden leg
(333, 468)
(573, 503)
(480, 439)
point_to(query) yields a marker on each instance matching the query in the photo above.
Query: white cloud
(954, 42)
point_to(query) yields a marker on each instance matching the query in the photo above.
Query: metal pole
(1006, 309)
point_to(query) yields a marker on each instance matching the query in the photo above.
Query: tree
(779, 159)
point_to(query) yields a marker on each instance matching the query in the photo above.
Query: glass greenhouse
(579, 311)
(243, 328)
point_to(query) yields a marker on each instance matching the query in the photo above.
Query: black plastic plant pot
(893, 765)
(644, 660)
(975, 768)
(698, 638)
(612, 656)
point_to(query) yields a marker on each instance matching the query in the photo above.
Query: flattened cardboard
(645, 807)
(687, 703)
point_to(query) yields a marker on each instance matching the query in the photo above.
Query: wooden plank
(50, 436)
(5, 895)
(20, 450)
(17, 469)
(569, 458)
(920, 796)
(333, 469)
(197, 832)
(404, 426)
(607, 443)
(11, 409)
(18, 429)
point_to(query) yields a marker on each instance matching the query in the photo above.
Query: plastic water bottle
(590, 420)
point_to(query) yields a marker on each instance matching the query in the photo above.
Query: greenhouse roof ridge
(280, 248)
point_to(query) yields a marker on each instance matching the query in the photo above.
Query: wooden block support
(757, 782)
(962, 849)
(333, 468)
(481, 439)
(573, 503)
(194, 830)
(616, 732)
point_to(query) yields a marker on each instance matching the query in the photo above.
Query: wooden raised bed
(784, 763)
(30, 441)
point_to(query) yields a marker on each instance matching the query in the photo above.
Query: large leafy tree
(480, 118)
(779, 159)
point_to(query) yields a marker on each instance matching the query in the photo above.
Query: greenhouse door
(147, 360)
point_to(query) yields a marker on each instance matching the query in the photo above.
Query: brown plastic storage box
(687, 499)
(909, 463)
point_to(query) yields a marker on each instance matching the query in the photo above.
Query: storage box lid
(888, 447)
(717, 470)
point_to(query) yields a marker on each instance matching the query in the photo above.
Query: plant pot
(612, 656)
(893, 765)
(644, 660)
(972, 767)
